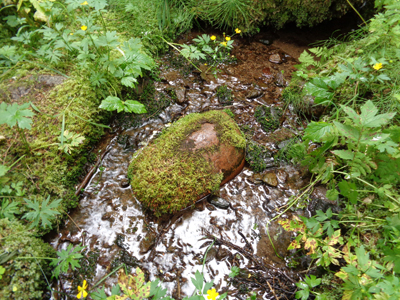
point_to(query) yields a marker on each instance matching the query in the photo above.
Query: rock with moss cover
(196, 155)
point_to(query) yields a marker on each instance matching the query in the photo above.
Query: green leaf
(198, 281)
(9, 209)
(135, 107)
(317, 131)
(344, 154)
(332, 194)
(129, 81)
(16, 114)
(349, 190)
(393, 255)
(112, 103)
(369, 117)
(3, 170)
(348, 131)
(312, 281)
(235, 271)
(67, 258)
(43, 213)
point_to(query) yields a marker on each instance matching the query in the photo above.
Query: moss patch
(23, 274)
(166, 179)
(264, 116)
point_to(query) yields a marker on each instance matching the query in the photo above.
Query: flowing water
(111, 224)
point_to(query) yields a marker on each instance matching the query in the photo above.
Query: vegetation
(357, 157)
(159, 165)
(99, 50)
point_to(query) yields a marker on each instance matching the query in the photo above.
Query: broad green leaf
(198, 280)
(9, 209)
(112, 103)
(349, 190)
(348, 131)
(135, 107)
(344, 154)
(356, 118)
(332, 194)
(3, 170)
(317, 131)
(16, 114)
(369, 117)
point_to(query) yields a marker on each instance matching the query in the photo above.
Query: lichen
(166, 179)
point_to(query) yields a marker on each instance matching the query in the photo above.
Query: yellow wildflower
(237, 30)
(71, 33)
(213, 37)
(212, 294)
(223, 44)
(377, 66)
(82, 290)
(228, 38)
(84, 27)
(84, 3)
(15, 288)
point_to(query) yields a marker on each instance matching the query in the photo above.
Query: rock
(180, 93)
(219, 202)
(124, 183)
(319, 201)
(190, 159)
(51, 80)
(2, 139)
(147, 242)
(265, 42)
(275, 58)
(211, 254)
(254, 94)
(223, 253)
(270, 178)
(280, 80)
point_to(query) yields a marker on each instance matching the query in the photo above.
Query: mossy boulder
(193, 157)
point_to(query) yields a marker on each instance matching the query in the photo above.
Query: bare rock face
(196, 155)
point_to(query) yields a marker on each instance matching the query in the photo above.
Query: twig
(90, 174)
(72, 220)
(273, 291)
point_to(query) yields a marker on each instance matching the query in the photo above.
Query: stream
(111, 224)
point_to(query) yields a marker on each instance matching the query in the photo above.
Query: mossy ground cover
(165, 178)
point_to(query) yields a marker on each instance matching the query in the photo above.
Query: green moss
(264, 116)
(175, 177)
(24, 275)
(224, 95)
(256, 156)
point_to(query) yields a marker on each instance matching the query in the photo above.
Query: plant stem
(23, 137)
(108, 275)
(357, 12)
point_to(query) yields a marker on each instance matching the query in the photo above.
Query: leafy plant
(66, 259)
(235, 271)
(306, 287)
(129, 106)
(15, 114)
(42, 213)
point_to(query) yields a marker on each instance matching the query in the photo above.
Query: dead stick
(273, 291)
(90, 174)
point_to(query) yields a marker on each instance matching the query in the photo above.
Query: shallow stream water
(111, 224)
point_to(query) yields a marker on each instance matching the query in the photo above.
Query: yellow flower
(82, 290)
(71, 33)
(84, 27)
(212, 294)
(228, 38)
(223, 44)
(213, 37)
(237, 30)
(84, 3)
(15, 288)
(377, 66)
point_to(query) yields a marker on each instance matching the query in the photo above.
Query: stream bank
(114, 228)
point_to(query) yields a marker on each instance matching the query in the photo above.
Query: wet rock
(222, 254)
(108, 216)
(265, 42)
(211, 254)
(254, 94)
(210, 207)
(147, 242)
(219, 202)
(124, 183)
(120, 241)
(257, 178)
(187, 161)
(275, 58)
(270, 178)
(319, 201)
(280, 80)
(180, 93)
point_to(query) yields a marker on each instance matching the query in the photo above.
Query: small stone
(210, 207)
(211, 254)
(2, 139)
(253, 94)
(275, 58)
(257, 178)
(280, 80)
(180, 93)
(219, 202)
(147, 242)
(107, 216)
(223, 253)
(124, 183)
(270, 179)
(265, 42)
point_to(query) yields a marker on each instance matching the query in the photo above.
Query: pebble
(270, 179)
(275, 58)
(219, 202)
